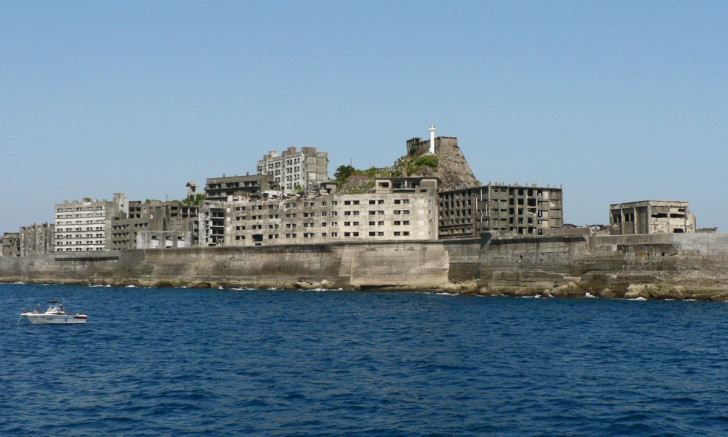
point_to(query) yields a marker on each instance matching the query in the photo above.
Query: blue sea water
(260, 362)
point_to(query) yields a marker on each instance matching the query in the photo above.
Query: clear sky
(617, 101)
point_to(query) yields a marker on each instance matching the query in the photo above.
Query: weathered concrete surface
(678, 266)
(667, 266)
(385, 265)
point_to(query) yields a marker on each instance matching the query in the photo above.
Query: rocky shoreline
(707, 289)
(675, 267)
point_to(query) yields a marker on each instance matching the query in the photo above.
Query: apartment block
(399, 209)
(218, 189)
(85, 225)
(155, 224)
(651, 217)
(292, 170)
(500, 209)
(37, 239)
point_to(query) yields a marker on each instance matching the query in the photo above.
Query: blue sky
(616, 101)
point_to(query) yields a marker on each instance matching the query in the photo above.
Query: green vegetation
(406, 166)
(343, 174)
(194, 200)
(427, 161)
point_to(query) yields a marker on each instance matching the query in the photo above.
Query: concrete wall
(674, 266)
(385, 265)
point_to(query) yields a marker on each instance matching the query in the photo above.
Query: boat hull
(56, 319)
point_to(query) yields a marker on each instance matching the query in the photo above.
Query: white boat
(54, 315)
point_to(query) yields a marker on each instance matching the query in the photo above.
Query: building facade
(10, 244)
(651, 217)
(155, 224)
(218, 189)
(293, 170)
(84, 226)
(399, 209)
(500, 209)
(37, 239)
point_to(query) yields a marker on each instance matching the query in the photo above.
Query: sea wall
(668, 266)
(351, 266)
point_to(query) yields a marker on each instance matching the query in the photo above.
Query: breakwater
(668, 266)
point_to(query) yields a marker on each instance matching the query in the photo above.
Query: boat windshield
(55, 305)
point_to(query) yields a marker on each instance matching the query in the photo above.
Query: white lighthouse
(432, 139)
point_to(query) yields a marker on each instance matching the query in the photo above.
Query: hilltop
(447, 163)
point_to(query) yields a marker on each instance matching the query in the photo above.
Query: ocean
(266, 362)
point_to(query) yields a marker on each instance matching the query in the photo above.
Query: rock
(666, 291)
(606, 293)
(571, 289)
(451, 288)
(636, 290)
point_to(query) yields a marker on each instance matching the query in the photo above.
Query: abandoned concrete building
(154, 224)
(651, 217)
(521, 210)
(37, 239)
(10, 244)
(218, 189)
(398, 209)
(86, 225)
(292, 170)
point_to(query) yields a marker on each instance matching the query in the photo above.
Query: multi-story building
(10, 244)
(37, 239)
(399, 209)
(218, 189)
(85, 225)
(651, 217)
(499, 209)
(155, 224)
(293, 170)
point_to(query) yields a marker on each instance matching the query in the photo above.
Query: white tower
(432, 139)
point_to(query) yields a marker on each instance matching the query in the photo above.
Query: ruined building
(398, 209)
(37, 239)
(10, 244)
(154, 224)
(292, 170)
(651, 217)
(217, 189)
(500, 209)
